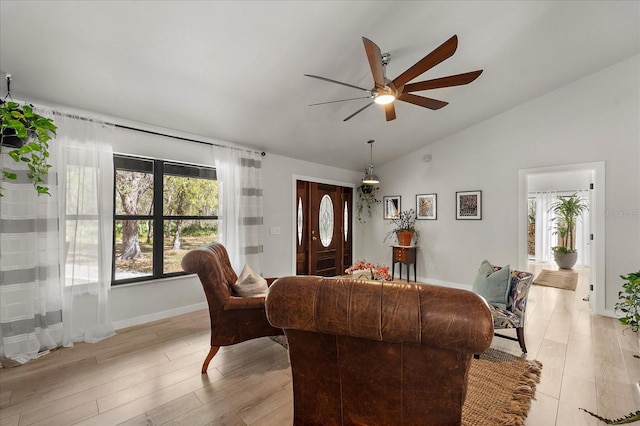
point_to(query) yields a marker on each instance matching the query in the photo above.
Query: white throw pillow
(249, 284)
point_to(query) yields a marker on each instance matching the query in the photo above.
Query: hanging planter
(10, 139)
(366, 198)
(28, 135)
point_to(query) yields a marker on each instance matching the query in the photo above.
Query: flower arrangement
(377, 272)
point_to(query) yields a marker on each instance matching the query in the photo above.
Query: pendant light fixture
(369, 177)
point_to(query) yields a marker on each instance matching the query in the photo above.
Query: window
(162, 210)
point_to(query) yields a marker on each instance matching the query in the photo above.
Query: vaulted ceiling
(234, 70)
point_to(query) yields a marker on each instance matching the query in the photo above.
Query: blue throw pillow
(493, 285)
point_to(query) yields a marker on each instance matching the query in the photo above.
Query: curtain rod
(135, 129)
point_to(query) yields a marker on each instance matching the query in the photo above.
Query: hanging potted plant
(405, 228)
(366, 198)
(27, 134)
(568, 210)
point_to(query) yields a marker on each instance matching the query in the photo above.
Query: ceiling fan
(385, 92)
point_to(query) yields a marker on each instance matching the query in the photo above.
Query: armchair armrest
(235, 302)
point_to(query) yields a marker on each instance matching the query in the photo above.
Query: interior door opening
(556, 179)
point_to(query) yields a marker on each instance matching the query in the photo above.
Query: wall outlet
(430, 267)
(274, 230)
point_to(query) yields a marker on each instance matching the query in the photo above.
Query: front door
(323, 228)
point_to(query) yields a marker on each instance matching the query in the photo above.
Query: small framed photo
(391, 207)
(469, 205)
(426, 206)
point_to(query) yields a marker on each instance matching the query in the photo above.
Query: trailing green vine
(34, 132)
(366, 198)
(629, 418)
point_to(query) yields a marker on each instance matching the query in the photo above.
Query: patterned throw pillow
(493, 284)
(249, 284)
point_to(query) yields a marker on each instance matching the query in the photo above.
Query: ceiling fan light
(384, 99)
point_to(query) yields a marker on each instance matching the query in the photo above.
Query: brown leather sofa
(233, 319)
(374, 353)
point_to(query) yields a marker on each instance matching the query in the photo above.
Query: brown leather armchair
(378, 353)
(233, 319)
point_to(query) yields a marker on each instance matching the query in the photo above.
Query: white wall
(594, 119)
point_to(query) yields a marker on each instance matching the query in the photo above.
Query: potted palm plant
(405, 228)
(567, 210)
(27, 134)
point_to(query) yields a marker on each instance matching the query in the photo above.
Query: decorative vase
(565, 260)
(404, 238)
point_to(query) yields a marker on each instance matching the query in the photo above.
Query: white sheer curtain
(583, 242)
(87, 226)
(544, 226)
(30, 279)
(55, 251)
(240, 213)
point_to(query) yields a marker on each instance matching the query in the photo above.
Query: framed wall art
(426, 206)
(391, 206)
(469, 205)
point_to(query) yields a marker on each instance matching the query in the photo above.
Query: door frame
(294, 211)
(597, 219)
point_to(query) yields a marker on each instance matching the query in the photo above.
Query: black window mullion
(158, 168)
(158, 224)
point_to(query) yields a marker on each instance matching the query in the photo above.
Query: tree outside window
(186, 216)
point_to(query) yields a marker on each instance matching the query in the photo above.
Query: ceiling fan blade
(341, 100)
(375, 62)
(439, 54)
(422, 101)
(337, 82)
(358, 111)
(390, 112)
(437, 83)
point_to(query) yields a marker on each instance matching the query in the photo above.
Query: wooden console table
(405, 255)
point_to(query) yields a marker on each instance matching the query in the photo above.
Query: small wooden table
(405, 255)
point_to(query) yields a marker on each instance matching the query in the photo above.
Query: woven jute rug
(501, 387)
(566, 280)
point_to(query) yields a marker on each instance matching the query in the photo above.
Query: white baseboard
(158, 315)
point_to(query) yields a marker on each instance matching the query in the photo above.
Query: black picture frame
(391, 207)
(469, 205)
(427, 206)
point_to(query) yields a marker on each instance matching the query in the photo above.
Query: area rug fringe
(501, 386)
(519, 406)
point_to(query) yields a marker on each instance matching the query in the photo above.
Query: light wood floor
(150, 374)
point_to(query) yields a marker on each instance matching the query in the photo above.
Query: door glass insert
(346, 221)
(300, 221)
(325, 221)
